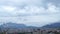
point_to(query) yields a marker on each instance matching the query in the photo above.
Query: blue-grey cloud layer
(30, 12)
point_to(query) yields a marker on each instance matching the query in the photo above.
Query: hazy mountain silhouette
(14, 25)
(53, 25)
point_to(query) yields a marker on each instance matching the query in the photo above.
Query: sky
(30, 12)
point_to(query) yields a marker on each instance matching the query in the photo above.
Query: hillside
(53, 25)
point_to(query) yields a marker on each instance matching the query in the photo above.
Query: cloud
(29, 12)
(55, 2)
(52, 8)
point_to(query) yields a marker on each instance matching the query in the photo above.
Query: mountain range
(53, 25)
(14, 25)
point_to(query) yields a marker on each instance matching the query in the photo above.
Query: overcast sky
(30, 12)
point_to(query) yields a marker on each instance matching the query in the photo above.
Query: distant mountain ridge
(53, 25)
(14, 25)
